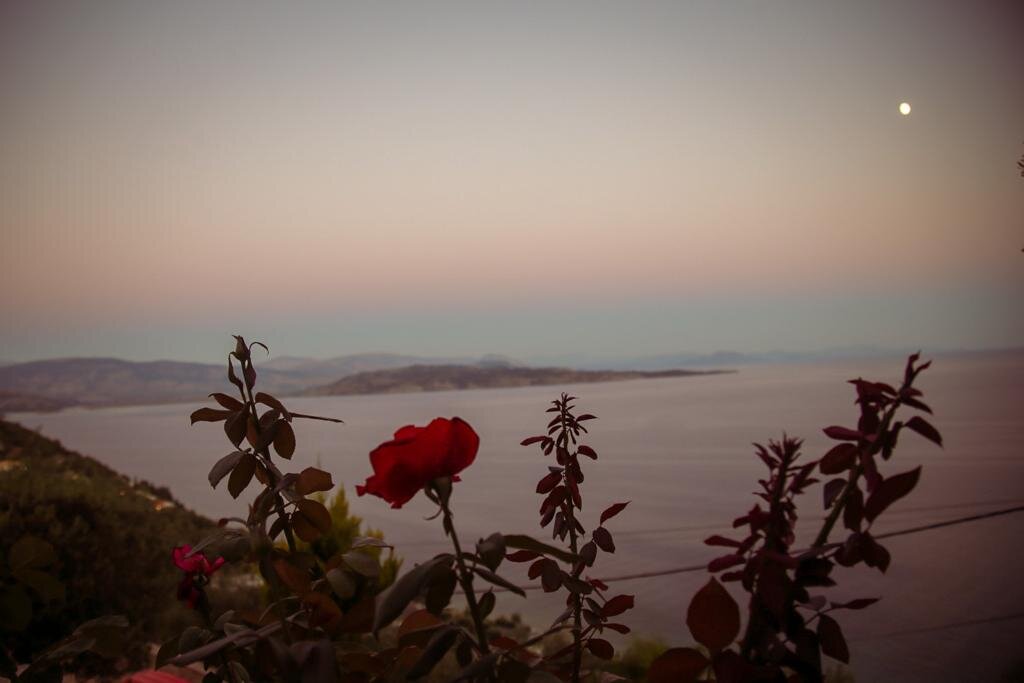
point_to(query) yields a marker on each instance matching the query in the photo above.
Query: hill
(110, 381)
(418, 378)
(112, 537)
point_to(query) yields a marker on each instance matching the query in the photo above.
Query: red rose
(198, 571)
(417, 456)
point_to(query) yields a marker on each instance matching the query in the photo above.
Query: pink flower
(198, 571)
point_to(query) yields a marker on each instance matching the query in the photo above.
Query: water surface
(679, 450)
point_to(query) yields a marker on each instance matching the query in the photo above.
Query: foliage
(346, 530)
(633, 662)
(781, 641)
(333, 607)
(81, 509)
(586, 598)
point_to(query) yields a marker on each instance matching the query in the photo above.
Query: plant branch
(465, 578)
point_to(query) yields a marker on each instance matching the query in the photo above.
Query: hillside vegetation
(113, 539)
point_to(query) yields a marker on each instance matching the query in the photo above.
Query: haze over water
(679, 449)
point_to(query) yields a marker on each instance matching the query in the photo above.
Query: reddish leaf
(549, 482)
(601, 648)
(722, 541)
(713, 616)
(925, 429)
(268, 400)
(209, 415)
(587, 451)
(724, 562)
(841, 458)
(588, 553)
(311, 479)
(228, 402)
(617, 605)
(842, 433)
(618, 628)
(522, 556)
(241, 475)
(603, 539)
(875, 555)
(532, 440)
(731, 668)
(613, 510)
(550, 576)
(284, 440)
(234, 427)
(914, 403)
(832, 490)
(536, 568)
(831, 638)
(859, 603)
(889, 491)
(677, 665)
(853, 513)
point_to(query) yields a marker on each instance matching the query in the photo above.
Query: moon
(905, 108)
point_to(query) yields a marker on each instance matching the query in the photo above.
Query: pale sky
(527, 178)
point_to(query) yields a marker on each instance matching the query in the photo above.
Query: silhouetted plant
(781, 641)
(324, 594)
(586, 599)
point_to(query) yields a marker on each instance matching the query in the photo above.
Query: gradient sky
(527, 178)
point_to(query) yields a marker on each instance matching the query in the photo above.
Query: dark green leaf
(15, 608)
(523, 542)
(405, 590)
(341, 583)
(436, 648)
(491, 577)
(491, 551)
(29, 552)
(486, 604)
(223, 466)
(362, 563)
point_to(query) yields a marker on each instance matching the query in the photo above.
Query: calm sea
(679, 449)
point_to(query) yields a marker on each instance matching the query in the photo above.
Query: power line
(715, 527)
(703, 566)
(942, 627)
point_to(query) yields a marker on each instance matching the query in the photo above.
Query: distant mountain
(29, 403)
(109, 381)
(723, 358)
(420, 378)
(48, 385)
(322, 370)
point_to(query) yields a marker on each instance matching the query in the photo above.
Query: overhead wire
(890, 534)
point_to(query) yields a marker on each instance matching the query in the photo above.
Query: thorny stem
(570, 518)
(771, 541)
(465, 578)
(851, 483)
(204, 609)
(265, 454)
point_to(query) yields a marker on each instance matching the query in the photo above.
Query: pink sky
(162, 165)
